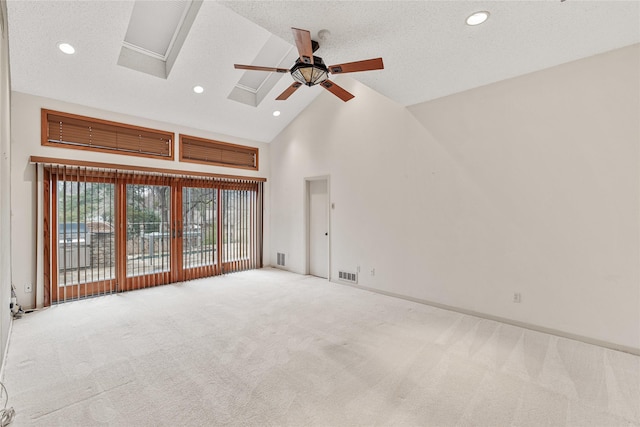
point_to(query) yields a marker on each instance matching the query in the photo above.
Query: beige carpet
(271, 348)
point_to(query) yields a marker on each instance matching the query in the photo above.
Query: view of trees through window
(148, 229)
(85, 231)
(171, 230)
(199, 230)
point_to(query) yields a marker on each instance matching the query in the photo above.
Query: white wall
(25, 140)
(530, 185)
(5, 184)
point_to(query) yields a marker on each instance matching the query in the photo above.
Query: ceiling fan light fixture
(310, 74)
(477, 18)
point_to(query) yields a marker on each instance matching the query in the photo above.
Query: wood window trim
(128, 168)
(225, 148)
(106, 126)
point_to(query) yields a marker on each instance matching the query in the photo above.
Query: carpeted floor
(272, 348)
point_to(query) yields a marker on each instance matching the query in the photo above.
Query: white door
(318, 229)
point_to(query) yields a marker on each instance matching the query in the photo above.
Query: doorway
(318, 227)
(109, 231)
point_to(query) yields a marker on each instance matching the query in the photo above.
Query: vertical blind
(109, 230)
(79, 224)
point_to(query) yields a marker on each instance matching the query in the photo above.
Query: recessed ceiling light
(276, 113)
(478, 18)
(198, 89)
(66, 48)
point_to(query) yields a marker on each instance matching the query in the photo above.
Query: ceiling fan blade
(352, 67)
(256, 68)
(336, 90)
(288, 91)
(303, 42)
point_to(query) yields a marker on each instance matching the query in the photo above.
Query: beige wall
(529, 185)
(25, 140)
(5, 184)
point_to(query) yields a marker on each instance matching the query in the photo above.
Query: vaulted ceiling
(428, 51)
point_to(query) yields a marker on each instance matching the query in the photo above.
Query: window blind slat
(73, 131)
(103, 138)
(237, 158)
(222, 157)
(217, 153)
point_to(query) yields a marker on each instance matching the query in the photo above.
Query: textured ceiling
(428, 52)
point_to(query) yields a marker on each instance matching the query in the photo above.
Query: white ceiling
(428, 52)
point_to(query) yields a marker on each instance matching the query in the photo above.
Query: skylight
(154, 25)
(156, 32)
(252, 87)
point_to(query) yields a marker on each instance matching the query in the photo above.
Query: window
(210, 152)
(111, 228)
(85, 133)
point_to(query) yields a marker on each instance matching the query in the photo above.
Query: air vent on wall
(280, 260)
(348, 277)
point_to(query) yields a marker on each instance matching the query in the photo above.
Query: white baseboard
(6, 349)
(551, 331)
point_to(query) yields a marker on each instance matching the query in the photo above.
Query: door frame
(307, 222)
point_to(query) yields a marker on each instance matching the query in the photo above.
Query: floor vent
(348, 277)
(280, 260)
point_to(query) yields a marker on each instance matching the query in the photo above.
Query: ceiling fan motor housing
(310, 74)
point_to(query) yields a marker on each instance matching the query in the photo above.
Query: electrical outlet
(373, 271)
(517, 297)
(28, 288)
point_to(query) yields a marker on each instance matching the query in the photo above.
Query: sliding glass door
(83, 236)
(149, 236)
(108, 232)
(237, 205)
(199, 232)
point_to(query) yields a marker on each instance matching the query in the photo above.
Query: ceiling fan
(310, 70)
